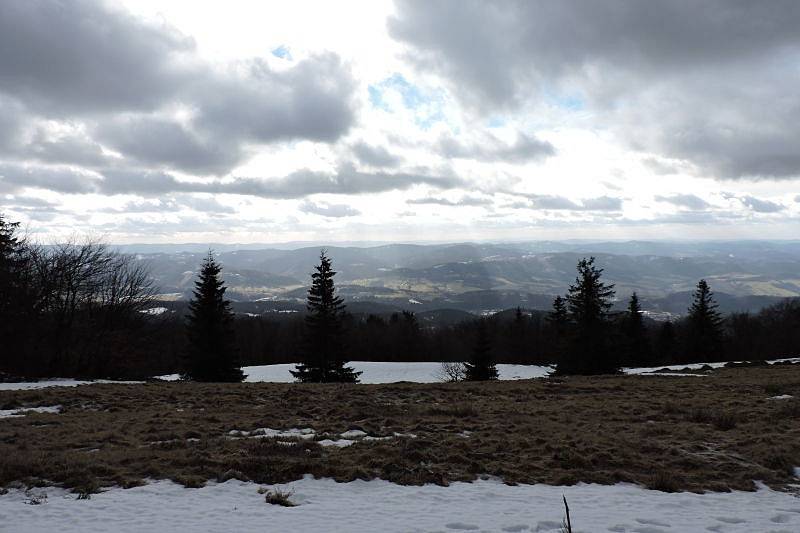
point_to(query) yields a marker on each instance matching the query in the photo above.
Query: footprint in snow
(516, 529)
(548, 525)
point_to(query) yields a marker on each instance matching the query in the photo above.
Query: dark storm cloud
(689, 201)
(711, 82)
(490, 148)
(85, 62)
(328, 210)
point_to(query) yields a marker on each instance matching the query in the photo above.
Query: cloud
(472, 201)
(14, 177)
(375, 156)
(761, 206)
(489, 148)
(299, 184)
(174, 204)
(87, 63)
(153, 140)
(328, 210)
(86, 57)
(712, 83)
(557, 203)
(689, 201)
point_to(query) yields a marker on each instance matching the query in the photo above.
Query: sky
(265, 122)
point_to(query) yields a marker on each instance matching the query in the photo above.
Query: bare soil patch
(717, 432)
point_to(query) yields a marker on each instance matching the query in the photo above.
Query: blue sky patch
(283, 52)
(427, 104)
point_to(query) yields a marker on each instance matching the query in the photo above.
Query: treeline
(72, 310)
(82, 310)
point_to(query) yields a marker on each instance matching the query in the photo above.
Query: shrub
(278, 497)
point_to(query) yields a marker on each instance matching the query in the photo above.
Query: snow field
(366, 506)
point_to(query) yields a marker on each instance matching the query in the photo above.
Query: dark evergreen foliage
(324, 359)
(666, 344)
(481, 365)
(211, 353)
(703, 326)
(558, 326)
(559, 316)
(636, 345)
(588, 302)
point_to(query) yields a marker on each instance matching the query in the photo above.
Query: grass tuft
(277, 496)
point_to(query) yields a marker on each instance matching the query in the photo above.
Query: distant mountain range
(486, 277)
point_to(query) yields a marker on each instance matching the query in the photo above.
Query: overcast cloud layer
(411, 120)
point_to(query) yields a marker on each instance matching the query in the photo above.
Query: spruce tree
(323, 357)
(704, 326)
(17, 295)
(558, 320)
(211, 353)
(637, 346)
(588, 302)
(558, 317)
(481, 365)
(666, 344)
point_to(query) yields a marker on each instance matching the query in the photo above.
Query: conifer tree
(323, 357)
(558, 317)
(558, 320)
(17, 307)
(704, 326)
(517, 338)
(211, 354)
(588, 302)
(666, 343)
(481, 365)
(637, 346)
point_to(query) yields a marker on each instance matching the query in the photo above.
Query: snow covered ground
(372, 372)
(378, 372)
(22, 411)
(324, 505)
(696, 366)
(56, 382)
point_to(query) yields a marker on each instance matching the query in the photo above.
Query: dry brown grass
(669, 433)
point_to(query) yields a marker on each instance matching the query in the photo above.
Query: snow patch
(382, 372)
(339, 443)
(781, 397)
(365, 506)
(58, 382)
(154, 311)
(348, 438)
(22, 411)
(267, 433)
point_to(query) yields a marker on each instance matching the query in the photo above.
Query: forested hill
(481, 278)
